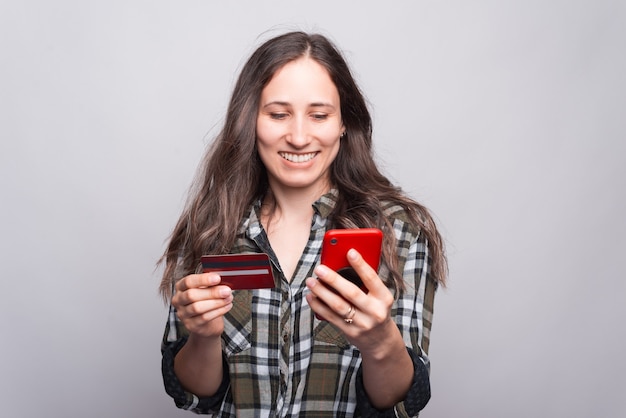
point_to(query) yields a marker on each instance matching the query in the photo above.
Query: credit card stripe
(241, 272)
(234, 264)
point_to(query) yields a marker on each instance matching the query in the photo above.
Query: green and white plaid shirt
(283, 362)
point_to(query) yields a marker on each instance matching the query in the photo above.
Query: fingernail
(213, 279)
(352, 254)
(225, 292)
(321, 270)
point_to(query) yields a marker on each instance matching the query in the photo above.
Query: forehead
(302, 77)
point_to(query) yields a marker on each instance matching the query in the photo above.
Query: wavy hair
(231, 176)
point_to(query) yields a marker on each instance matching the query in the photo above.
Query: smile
(298, 158)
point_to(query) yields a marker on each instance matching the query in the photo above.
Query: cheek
(267, 134)
(262, 149)
(331, 139)
(265, 140)
(261, 131)
(335, 150)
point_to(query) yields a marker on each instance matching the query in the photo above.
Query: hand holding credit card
(241, 271)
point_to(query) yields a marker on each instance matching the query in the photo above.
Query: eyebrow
(314, 104)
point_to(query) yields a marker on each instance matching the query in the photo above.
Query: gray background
(506, 118)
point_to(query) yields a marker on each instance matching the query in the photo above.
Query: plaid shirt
(280, 361)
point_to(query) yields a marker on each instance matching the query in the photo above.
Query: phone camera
(333, 241)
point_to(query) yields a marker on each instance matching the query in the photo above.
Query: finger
(368, 275)
(194, 281)
(207, 324)
(321, 309)
(201, 294)
(333, 291)
(205, 309)
(337, 314)
(334, 281)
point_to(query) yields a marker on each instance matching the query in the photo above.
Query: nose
(298, 136)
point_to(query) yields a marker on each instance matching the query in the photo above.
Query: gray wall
(507, 119)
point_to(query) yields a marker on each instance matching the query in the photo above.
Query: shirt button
(285, 337)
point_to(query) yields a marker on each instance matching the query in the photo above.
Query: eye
(278, 115)
(319, 116)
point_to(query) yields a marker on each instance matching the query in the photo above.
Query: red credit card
(241, 271)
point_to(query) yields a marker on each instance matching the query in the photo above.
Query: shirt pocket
(331, 375)
(238, 323)
(327, 333)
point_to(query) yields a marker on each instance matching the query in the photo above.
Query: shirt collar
(325, 204)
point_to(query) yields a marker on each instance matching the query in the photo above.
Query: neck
(290, 204)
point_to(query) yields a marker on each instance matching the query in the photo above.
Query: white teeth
(298, 158)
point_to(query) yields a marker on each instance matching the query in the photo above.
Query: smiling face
(299, 127)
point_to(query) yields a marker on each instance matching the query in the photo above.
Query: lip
(298, 158)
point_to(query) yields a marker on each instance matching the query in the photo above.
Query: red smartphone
(337, 243)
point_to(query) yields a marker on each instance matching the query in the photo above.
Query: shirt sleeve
(416, 398)
(173, 341)
(412, 312)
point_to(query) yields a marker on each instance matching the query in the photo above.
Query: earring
(343, 134)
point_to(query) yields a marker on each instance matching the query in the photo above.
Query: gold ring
(349, 315)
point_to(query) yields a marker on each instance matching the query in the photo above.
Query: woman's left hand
(364, 318)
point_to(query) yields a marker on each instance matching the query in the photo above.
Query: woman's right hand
(201, 303)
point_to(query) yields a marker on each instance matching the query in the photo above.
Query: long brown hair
(232, 175)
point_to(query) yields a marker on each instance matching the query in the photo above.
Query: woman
(294, 159)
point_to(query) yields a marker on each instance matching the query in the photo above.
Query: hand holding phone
(337, 243)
